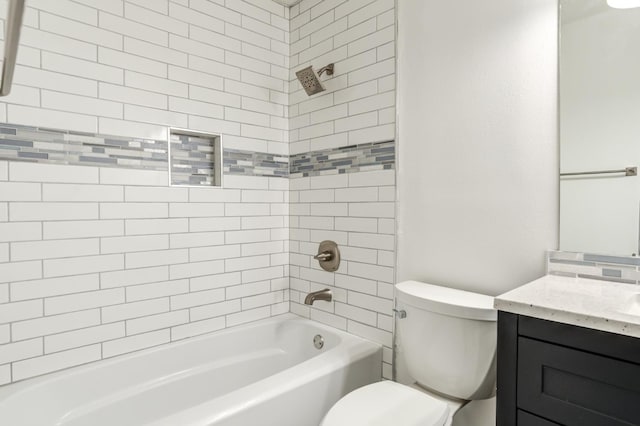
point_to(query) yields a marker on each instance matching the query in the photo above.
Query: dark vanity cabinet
(551, 373)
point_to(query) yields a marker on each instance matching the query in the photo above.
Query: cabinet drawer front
(526, 419)
(577, 388)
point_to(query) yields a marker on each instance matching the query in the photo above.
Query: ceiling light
(623, 4)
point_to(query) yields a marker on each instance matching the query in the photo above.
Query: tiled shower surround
(102, 257)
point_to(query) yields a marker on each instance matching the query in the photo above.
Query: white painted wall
(478, 161)
(600, 128)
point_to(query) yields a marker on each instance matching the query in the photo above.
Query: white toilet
(447, 341)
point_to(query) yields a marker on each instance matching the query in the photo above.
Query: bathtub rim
(13, 389)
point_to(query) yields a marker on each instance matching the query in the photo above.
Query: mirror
(599, 127)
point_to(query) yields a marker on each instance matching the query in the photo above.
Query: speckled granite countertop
(600, 305)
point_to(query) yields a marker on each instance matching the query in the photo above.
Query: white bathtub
(263, 373)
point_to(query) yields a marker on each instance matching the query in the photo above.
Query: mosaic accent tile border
(622, 269)
(39, 144)
(348, 159)
(54, 146)
(194, 159)
(247, 163)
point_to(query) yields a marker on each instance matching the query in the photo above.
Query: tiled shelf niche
(195, 158)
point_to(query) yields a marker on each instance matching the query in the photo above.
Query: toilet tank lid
(447, 301)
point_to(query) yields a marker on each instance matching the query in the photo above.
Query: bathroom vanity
(569, 353)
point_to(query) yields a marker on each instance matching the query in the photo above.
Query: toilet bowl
(447, 339)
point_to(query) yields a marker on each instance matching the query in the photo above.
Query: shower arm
(328, 69)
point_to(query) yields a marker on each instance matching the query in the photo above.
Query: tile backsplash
(623, 269)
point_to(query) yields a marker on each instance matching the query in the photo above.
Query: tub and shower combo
(284, 371)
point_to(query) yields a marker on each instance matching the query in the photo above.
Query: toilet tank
(447, 339)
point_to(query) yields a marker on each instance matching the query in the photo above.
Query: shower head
(310, 81)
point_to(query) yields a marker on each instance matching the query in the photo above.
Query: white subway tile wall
(356, 208)
(97, 262)
(363, 227)
(359, 103)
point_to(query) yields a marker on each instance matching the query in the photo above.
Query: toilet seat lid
(387, 403)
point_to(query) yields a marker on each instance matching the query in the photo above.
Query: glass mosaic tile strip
(192, 165)
(39, 144)
(248, 163)
(348, 159)
(622, 269)
(194, 158)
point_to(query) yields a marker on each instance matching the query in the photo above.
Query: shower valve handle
(325, 256)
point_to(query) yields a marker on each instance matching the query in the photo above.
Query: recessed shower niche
(195, 158)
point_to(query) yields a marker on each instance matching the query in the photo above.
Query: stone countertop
(595, 304)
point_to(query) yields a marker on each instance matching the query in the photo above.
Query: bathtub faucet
(318, 295)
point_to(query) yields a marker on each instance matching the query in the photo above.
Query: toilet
(446, 339)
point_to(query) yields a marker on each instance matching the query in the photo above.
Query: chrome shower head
(310, 81)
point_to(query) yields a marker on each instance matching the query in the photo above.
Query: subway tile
(82, 68)
(197, 298)
(18, 231)
(135, 310)
(215, 310)
(54, 324)
(135, 343)
(13, 191)
(195, 328)
(84, 337)
(20, 271)
(156, 258)
(199, 254)
(370, 240)
(131, 95)
(53, 249)
(51, 80)
(155, 19)
(262, 274)
(21, 350)
(5, 374)
(196, 209)
(38, 172)
(82, 229)
(58, 361)
(132, 62)
(82, 301)
(134, 276)
(209, 282)
(197, 239)
(53, 211)
(156, 290)
(248, 316)
(36, 289)
(372, 272)
(82, 265)
(156, 322)
(129, 28)
(79, 193)
(156, 226)
(79, 31)
(384, 210)
(18, 311)
(133, 243)
(133, 210)
(196, 269)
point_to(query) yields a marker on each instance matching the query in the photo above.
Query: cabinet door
(526, 419)
(576, 388)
